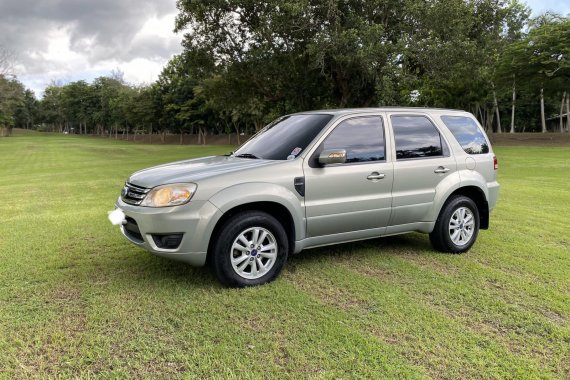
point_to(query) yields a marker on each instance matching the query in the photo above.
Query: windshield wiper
(247, 155)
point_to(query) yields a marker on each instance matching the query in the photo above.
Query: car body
(350, 174)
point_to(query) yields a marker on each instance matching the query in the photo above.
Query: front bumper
(195, 221)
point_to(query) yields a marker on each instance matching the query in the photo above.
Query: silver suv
(312, 179)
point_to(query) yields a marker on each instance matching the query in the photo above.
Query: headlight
(169, 195)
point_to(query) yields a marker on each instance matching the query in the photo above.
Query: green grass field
(78, 300)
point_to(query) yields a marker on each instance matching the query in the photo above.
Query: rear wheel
(457, 225)
(250, 249)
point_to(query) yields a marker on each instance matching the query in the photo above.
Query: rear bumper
(195, 221)
(493, 188)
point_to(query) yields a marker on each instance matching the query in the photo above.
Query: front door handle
(375, 175)
(441, 169)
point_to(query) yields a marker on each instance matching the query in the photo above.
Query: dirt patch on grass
(530, 139)
(326, 292)
(47, 350)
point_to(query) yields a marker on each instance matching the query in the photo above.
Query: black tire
(244, 224)
(441, 236)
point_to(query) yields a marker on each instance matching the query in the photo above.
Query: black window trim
(442, 138)
(314, 157)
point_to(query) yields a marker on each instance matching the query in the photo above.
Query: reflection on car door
(356, 195)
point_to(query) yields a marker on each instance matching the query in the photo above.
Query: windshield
(285, 138)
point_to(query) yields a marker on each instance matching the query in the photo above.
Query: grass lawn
(78, 300)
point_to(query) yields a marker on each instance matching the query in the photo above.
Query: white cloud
(69, 40)
(538, 7)
(141, 70)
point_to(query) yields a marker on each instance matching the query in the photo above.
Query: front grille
(133, 194)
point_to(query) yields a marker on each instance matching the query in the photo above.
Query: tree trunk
(181, 137)
(562, 104)
(568, 113)
(542, 117)
(237, 132)
(496, 109)
(513, 106)
(489, 118)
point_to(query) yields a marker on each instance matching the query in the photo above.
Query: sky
(68, 40)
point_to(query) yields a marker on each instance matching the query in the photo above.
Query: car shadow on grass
(140, 267)
(398, 245)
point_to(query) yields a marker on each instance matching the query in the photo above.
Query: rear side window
(416, 137)
(467, 134)
(362, 137)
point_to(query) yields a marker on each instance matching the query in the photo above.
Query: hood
(194, 170)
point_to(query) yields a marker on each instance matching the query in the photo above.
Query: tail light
(495, 163)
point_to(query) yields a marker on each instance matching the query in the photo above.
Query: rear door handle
(441, 169)
(375, 175)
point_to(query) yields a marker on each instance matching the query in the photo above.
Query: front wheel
(250, 249)
(457, 225)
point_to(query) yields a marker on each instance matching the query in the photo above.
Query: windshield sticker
(296, 151)
(290, 157)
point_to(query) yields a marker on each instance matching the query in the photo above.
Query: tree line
(245, 63)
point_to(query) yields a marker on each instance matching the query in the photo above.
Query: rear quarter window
(467, 133)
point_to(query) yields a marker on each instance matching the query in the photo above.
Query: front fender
(253, 192)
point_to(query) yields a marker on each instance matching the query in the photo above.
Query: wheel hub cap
(253, 253)
(461, 226)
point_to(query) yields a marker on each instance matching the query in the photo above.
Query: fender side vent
(299, 183)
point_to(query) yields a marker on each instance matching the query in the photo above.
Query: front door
(356, 195)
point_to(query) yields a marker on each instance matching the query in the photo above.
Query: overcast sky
(69, 40)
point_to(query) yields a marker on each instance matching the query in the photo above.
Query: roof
(346, 111)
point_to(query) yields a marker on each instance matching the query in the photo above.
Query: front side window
(285, 138)
(416, 137)
(467, 133)
(361, 137)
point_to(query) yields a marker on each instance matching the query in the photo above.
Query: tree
(540, 62)
(11, 92)
(7, 58)
(266, 59)
(27, 112)
(11, 97)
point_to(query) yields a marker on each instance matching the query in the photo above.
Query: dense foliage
(245, 63)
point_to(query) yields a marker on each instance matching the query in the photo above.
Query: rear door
(422, 162)
(354, 196)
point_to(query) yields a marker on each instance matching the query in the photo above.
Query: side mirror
(332, 156)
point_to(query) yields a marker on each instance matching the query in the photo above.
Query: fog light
(171, 241)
